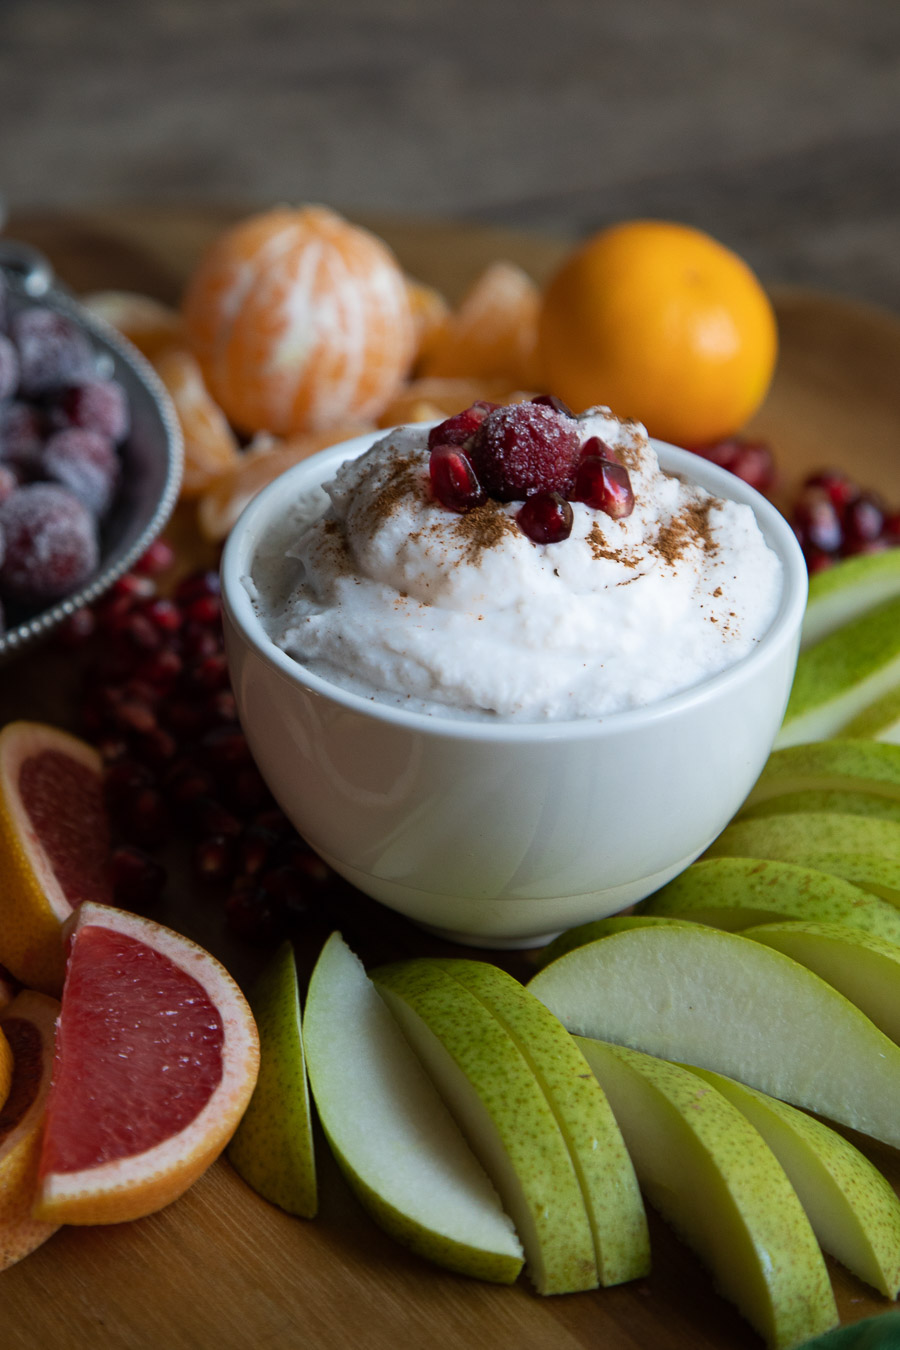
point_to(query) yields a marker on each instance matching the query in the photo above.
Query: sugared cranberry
(21, 437)
(750, 460)
(9, 481)
(86, 463)
(605, 486)
(546, 518)
(524, 449)
(453, 480)
(9, 368)
(96, 405)
(461, 427)
(53, 351)
(51, 543)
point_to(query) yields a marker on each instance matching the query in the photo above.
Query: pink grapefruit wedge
(28, 1026)
(157, 1056)
(54, 846)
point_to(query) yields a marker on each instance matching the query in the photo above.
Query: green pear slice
(596, 928)
(735, 893)
(724, 1002)
(842, 674)
(501, 1108)
(714, 1179)
(855, 766)
(853, 586)
(604, 1169)
(813, 799)
(854, 1211)
(394, 1139)
(880, 721)
(272, 1148)
(865, 968)
(861, 849)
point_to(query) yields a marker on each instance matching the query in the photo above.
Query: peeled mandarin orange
(430, 312)
(6, 1068)
(662, 323)
(54, 845)
(157, 1056)
(493, 333)
(300, 321)
(147, 323)
(210, 446)
(227, 495)
(29, 1026)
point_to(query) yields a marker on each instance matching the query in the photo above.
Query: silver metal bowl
(152, 456)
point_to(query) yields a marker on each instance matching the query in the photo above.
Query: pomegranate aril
(551, 401)
(138, 878)
(186, 781)
(461, 427)
(206, 610)
(142, 817)
(212, 859)
(77, 627)
(596, 448)
(605, 486)
(223, 747)
(863, 521)
(750, 460)
(546, 518)
(253, 916)
(817, 523)
(158, 558)
(839, 488)
(453, 480)
(163, 614)
(197, 586)
(255, 848)
(246, 789)
(209, 817)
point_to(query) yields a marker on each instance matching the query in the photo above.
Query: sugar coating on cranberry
(51, 543)
(52, 350)
(9, 368)
(96, 405)
(85, 462)
(523, 449)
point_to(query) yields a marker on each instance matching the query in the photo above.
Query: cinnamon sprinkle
(690, 527)
(482, 528)
(600, 549)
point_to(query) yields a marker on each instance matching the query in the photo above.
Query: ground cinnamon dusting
(690, 526)
(404, 477)
(482, 528)
(600, 549)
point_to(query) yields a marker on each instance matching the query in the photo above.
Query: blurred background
(776, 127)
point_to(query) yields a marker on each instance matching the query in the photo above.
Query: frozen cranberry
(817, 523)
(51, 543)
(53, 351)
(9, 368)
(461, 427)
(96, 405)
(523, 449)
(605, 486)
(453, 480)
(9, 481)
(21, 437)
(751, 461)
(86, 463)
(546, 518)
(551, 401)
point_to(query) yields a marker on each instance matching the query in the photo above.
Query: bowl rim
(249, 529)
(36, 285)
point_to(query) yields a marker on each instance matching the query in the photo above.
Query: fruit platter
(201, 867)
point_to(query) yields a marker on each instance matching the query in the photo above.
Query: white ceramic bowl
(499, 834)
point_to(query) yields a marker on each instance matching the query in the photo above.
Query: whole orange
(300, 320)
(662, 323)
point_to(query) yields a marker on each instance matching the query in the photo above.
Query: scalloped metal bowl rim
(24, 634)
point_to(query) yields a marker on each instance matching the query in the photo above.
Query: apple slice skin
(595, 1143)
(376, 1104)
(853, 1209)
(724, 1002)
(503, 1112)
(734, 893)
(272, 1148)
(714, 1179)
(863, 967)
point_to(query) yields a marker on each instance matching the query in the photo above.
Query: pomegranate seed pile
(527, 452)
(157, 703)
(61, 427)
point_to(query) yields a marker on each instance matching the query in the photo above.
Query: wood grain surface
(221, 1269)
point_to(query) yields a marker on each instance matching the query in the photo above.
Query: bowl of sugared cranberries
(492, 831)
(90, 453)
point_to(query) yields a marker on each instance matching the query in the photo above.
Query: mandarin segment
(148, 324)
(300, 321)
(210, 445)
(434, 397)
(493, 333)
(430, 313)
(54, 845)
(156, 1059)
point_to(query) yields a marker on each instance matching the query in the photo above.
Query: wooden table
(220, 1268)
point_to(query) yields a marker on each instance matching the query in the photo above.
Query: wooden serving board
(221, 1268)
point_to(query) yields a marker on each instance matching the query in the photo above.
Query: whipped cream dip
(392, 596)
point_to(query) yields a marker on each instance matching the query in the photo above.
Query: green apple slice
(855, 766)
(842, 674)
(724, 1002)
(854, 1211)
(604, 1169)
(853, 586)
(735, 893)
(861, 849)
(596, 928)
(714, 1179)
(498, 1102)
(272, 1148)
(865, 968)
(880, 721)
(394, 1139)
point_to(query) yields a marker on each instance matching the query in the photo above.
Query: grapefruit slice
(54, 846)
(28, 1026)
(156, 1059)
